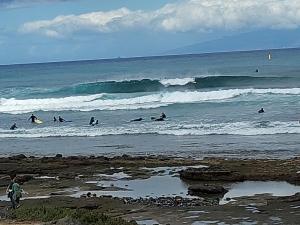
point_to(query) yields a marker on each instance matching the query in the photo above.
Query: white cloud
(187, 15)
(11, 4)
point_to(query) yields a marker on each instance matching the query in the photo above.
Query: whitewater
(245, 128)
(100, 101)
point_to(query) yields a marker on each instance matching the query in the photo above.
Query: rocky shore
(58, 178)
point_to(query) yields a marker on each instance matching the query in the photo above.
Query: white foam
(177, 81)
(15, 106)
(98, 102)
(246, 128)
(115, 176)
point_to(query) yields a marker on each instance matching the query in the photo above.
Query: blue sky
(59, 30)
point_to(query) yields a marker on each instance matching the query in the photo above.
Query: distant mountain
(266, 39)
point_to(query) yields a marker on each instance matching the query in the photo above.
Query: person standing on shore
(9, 189)
(17, 194)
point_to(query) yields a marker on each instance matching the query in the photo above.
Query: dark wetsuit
(13, 127)
(10, 194)
(61, 119)
(92, 120)
(32, 118)
(261, 110)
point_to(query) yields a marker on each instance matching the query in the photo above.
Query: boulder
(207, 189)
(18, 157)
(210, 174)
(58, 156)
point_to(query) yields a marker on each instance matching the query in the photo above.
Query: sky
(65, 30)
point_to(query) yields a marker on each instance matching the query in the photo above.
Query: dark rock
(56, 193)
(18, 157)
(103, 158)
(210, 174)
(205, 189)
(126, 156)
(24, 178)
(4, 213)
(64, 221)
(293, 198)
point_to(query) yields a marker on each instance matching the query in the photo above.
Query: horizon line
(143, 57)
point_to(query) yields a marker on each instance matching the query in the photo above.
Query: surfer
(60, 119)
(13, 127)
(261, 110)
(256, 70)
(95, 123)
(161, 118)
(92, 120)
(32, 118)
(54, 119)
(136, 120)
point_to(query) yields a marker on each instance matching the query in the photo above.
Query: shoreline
(57, 177)
(180, 146)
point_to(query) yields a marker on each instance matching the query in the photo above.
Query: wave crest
(109, 102)
(177, 81)
(148, 85)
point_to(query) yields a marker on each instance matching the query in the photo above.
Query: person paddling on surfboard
(261, 110)
(13, 127)
(163, 115)
(92, 120)
(33, 118)
(60, 119)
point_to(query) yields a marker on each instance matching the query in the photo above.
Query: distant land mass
(266, 39)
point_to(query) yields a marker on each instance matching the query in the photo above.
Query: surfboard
(37, 121)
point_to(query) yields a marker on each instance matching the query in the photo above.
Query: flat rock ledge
(210, 174)
(206, 189)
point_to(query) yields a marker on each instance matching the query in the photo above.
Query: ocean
(211, 102)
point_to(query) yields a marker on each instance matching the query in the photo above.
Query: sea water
(211, 102)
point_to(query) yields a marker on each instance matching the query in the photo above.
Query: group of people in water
(92, 122)
(161, 118)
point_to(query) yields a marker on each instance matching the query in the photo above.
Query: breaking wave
(119, 101)
(148, 85)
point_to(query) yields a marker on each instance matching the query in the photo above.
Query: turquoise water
(204, 96)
